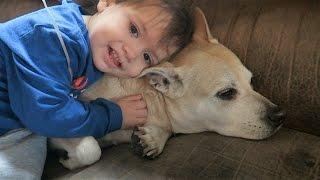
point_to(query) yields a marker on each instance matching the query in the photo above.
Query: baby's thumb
(133, 97)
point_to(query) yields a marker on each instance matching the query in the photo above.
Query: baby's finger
(141, 121)
(133, 97)
(140, 105)
(141, 113)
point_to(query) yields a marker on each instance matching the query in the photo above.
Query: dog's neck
(110, 87)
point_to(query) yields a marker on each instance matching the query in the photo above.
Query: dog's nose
(276, 115)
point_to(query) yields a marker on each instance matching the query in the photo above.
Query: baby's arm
(55, 114)
(39, 88)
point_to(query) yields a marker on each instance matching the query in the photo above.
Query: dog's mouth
(272, 132)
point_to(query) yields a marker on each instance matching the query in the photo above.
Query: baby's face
(125, 38)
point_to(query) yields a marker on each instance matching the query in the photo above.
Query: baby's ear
(103, 4)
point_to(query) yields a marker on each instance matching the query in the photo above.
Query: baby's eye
(147, 58)
(134, 30)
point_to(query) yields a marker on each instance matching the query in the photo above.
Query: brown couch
(279, 41)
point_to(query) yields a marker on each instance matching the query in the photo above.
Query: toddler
(44, 69)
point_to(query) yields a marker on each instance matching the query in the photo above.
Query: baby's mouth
(113, 57)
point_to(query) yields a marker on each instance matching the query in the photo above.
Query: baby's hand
(134, 111)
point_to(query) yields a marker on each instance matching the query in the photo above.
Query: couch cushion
(289, 154)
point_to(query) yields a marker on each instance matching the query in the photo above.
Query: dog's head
(207, 88)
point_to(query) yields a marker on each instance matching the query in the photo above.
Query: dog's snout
(276, 115)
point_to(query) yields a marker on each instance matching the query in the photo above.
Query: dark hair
(181, 27)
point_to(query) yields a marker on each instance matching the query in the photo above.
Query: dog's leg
(115, 138)
(150, 140)
(81, 151)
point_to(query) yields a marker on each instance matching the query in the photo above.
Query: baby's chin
(117, 74)
(99, 65)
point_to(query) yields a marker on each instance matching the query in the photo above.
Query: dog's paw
(149, 141)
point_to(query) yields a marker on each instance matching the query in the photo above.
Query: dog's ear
(165, 78)
(202, 30)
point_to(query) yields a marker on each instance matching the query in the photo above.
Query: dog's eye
(227, 94)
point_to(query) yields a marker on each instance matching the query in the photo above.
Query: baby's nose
(132, 51)
(129, 52)
(125, 51)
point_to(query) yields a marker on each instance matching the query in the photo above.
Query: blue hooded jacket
(35, 85)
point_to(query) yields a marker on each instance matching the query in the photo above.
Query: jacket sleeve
(39, 87)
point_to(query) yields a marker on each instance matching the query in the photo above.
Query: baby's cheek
(135, 71)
